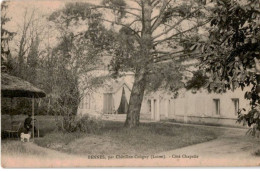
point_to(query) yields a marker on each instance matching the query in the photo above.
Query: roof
(113, 87)
(12, 86)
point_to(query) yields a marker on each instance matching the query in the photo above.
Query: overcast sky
(44, 8)
(16, 9)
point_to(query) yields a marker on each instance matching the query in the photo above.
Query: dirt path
(233, 148)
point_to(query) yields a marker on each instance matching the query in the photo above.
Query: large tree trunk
(137, 93)
(136, 98)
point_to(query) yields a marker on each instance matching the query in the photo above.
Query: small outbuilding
(12, 86)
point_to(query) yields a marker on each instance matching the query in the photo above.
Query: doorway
(123, 107)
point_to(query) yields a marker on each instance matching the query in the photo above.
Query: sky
(17, 8)
(16, 11)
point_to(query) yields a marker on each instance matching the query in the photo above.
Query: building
(188, 106)
(199, 107)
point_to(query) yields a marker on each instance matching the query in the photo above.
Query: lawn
(113, 138)
(15, 148)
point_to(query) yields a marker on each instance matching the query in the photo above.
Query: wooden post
(152, 109)
(166, 108)
(185, 117)
(11, 112)
(157, 113)
(33, 118)
(38, 128)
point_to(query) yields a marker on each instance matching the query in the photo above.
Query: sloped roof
(114, 86)
(12, 86)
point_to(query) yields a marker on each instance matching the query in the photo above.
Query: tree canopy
(231, 53)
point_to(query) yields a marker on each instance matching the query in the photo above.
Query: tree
(27, 50)
(152, 32)
(144, 37)
(77, 53)
(6, 36)
(232, 52)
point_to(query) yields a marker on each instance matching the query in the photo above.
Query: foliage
(89, 124)
(57, 68)
(198, 81)
(118, 7)
(166, 76)
(6, 36)
(251, 118)
(77, 53)
(85, 124)
(231, 52)
(147, 37)
(125, 52)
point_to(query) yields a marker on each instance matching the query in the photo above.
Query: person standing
(28, 124)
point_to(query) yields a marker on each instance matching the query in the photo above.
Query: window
(87, 99)
(149, 105)
(236, 105)
(217, 106)
(108, 103)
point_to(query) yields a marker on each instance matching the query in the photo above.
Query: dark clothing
(28, 124)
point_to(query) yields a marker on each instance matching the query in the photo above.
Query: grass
(115, 139)
(12, 147)
(148, 138)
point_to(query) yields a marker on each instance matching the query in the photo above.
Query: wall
(199, 107)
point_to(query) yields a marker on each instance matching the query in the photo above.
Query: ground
(232, 148)
(113, 138)
(227, 147)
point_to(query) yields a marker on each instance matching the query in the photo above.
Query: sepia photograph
(130, 83)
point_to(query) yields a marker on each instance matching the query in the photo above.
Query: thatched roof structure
(12, 86)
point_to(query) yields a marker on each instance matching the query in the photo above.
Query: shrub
(89, 124)
(86, 124)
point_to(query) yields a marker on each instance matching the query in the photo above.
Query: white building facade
(189, 106)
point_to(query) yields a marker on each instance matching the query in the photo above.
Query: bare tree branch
(113, 8)
(136, 1)
(176, 24)
(166, 53)
(170, 37)
(155, 2)
(134, 22)
(171, 57)
(158, 20)
(124, 25)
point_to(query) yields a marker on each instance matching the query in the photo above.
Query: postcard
(130, 83)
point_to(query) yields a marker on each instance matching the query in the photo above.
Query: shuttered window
(216, 106)
(108, 103)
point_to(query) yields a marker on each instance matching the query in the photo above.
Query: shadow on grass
(148, 138)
